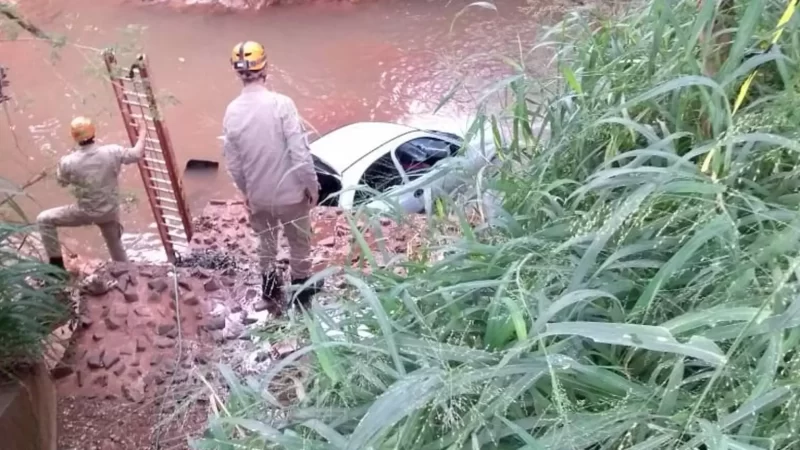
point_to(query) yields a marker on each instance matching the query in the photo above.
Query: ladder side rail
(127, 118)
(166, 148)
(145, 166)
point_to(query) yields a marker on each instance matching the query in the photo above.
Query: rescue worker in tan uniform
(92, 172)
(267, 154)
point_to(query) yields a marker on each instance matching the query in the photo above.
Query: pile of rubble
(136, 324)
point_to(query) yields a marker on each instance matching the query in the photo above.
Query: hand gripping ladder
(137, 103)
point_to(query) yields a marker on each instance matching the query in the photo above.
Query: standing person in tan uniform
(92, 173)
(267, 154)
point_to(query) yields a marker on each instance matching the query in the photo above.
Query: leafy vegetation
(29, 309)
(639, 289)
(29, 290)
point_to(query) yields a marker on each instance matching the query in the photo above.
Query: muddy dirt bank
(140, 367)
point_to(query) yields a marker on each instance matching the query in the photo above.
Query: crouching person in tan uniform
(92, 173)
(267, 154)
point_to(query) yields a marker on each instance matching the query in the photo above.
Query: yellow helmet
(248, 56)
(82, 129)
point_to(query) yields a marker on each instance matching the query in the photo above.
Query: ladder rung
(135, 84)
(159, 180)
(168, 200)
(155, 161)
(135, 94)
(126, 102)
(168, 208)
(135, 124)
(177, 228)
(154, 150)
(175, 218)
(153, 169)
(133, 87)
(160, 189)
(162, 209)
(142, 116)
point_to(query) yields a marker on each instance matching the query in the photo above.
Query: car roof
(343, 147)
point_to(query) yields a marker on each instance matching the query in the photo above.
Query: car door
(416, 158)
(398, 165)
(330, 183)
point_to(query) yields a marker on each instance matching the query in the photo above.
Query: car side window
(381, 176)
(417, 156)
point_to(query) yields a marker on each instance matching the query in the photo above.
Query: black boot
(61, 274)
(57, 283)
(271, 287)
(57, 262)
(303, 295)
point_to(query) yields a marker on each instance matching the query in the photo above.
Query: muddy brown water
(386, 60)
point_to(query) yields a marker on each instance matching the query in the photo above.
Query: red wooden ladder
(137, 103)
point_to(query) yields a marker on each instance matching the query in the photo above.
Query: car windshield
(423, 150)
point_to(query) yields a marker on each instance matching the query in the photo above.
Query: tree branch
(9, 11)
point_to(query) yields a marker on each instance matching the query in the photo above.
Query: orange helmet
(82, 129)
(248, 56)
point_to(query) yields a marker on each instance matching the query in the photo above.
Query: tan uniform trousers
(297, 229)
(72, 216)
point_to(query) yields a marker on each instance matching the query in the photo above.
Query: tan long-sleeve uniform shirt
(92, 173)
(266, 148)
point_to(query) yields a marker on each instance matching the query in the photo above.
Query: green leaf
(383, 320)
(637, 336)
(712, 229)
(569, 75)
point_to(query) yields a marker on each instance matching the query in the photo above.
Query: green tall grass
(626, 297)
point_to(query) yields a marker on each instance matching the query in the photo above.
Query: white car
(388, 165)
